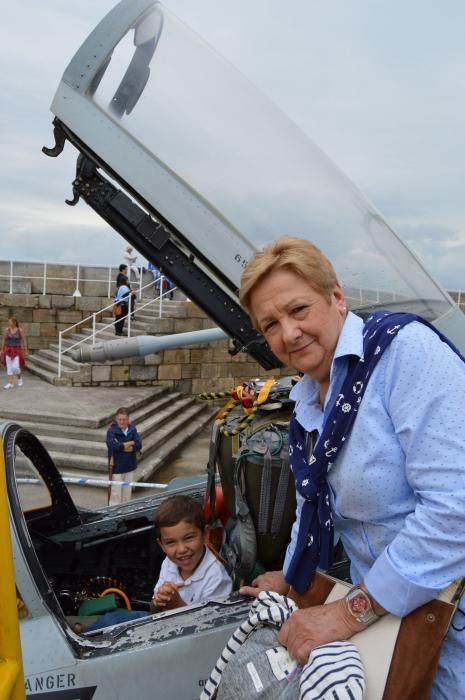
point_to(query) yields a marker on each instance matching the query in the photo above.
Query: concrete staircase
(44, 363)
(166, 421)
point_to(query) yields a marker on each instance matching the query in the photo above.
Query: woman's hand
(270, 581)
(167, 596)
(310, 627)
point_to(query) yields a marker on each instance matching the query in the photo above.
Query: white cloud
(378, 85)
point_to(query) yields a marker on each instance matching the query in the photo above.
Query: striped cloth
(334, 672)
(266, 670)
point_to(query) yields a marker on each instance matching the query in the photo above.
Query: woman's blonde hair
(295, 254)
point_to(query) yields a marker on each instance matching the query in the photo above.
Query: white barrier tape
(79, 481)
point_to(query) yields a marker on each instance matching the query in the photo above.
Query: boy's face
(183, 543)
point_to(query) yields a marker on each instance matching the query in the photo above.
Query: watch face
(359, 604)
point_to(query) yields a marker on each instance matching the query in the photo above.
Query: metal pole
(77, 292)
(44, 286)
(129, 314)
(77, 276)
(60, 336)
(161, 297)
(82, 481)
(11, 276)
(94, 322)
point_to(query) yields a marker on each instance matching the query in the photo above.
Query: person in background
(123, 443)
(191, 572)
(167, 288)
(155, 273)
(390, 484)
(14, 352)
(130, 260)
(122, 274)
(123, 296)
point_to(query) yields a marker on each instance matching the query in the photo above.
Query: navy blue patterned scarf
(314, 546)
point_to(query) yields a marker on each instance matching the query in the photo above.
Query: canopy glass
(198, 143)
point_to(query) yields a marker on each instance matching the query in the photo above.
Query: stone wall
(192, 369)
(44, 316)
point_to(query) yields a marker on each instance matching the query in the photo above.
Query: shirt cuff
(287, 560)
(394, 592)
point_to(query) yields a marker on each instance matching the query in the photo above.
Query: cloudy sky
(377, 84)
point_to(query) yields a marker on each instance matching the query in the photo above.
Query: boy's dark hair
(122, 411)
(177, 508)
(122, 267)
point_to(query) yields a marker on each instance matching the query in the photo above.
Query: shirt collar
(350, 342)
(207, 560)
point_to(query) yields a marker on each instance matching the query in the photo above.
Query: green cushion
(97, 606)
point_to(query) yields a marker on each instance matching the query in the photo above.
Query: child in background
(190, 573)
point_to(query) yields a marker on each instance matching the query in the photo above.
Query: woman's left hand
(310, 627)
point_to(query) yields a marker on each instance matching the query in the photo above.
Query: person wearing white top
(191, 572)
(209, 580)
(130, 260)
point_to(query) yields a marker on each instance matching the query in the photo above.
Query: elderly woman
(380, 456)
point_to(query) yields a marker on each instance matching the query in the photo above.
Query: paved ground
(39, 400)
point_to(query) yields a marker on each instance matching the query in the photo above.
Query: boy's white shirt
(209, 580)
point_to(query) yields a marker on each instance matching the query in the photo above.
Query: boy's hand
(129, 446)
(167, 596)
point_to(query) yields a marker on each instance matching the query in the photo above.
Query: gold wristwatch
(360, 606)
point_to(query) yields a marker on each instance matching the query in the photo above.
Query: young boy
(190, 572)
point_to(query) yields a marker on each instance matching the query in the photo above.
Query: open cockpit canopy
(209, 170)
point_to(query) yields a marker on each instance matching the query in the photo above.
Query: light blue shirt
(122, 293)
(398, 486)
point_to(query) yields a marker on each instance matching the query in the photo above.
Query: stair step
(171, 447)
(64, 461)
(56, 444)
(92, 442)
(53, 356)
(167, 430)
(47, 375)
(158, 418)
(51, 365)
(140, 414)
(78, 426)
(176, 432)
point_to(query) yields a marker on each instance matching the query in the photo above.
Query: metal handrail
(45, 277)
(95, 332)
